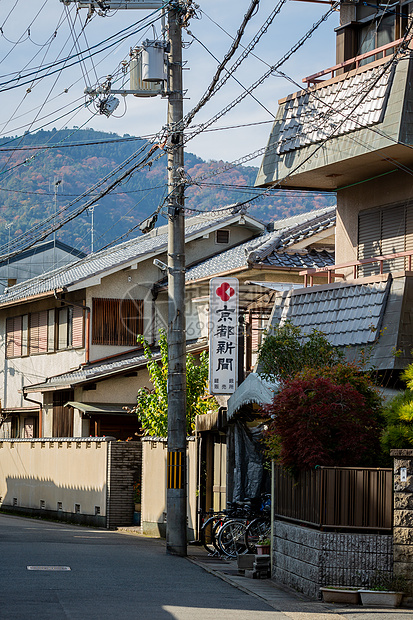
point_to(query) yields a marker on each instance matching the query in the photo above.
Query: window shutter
(38, 332)
(43, 316)
(17, 336)
(392, 234)
(77, 327)
(51, 330)
(369, 235)
(34, 333)
(14, 336)
(409, 232)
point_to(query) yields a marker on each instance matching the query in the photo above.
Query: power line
(51, 69)
(211, 88)
(242, 96)
(216, 83)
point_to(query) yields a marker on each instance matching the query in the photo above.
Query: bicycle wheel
(258, 528)
(207, 536)
(231, 538)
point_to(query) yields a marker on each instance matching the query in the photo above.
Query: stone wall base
(306, 559)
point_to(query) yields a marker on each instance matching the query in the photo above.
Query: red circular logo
(225, 291)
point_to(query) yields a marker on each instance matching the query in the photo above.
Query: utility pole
(92, 231)
(8, 226)
(56, 186)
(176, 525)
(178, 12)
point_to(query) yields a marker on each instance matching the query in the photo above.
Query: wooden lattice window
(116, 321)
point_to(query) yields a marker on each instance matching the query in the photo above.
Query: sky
(35, 33)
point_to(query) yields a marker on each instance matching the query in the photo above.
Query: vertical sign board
(223, 335)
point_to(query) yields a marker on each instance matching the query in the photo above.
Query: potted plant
(341, 594)
(386, 590)
(263, 546)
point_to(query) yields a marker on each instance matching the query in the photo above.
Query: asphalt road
(111, 576)
(123, 577)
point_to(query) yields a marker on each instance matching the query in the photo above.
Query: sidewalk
(290, 603)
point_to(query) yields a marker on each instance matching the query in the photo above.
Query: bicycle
(258, 529)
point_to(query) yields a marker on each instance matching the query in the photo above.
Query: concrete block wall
(306, 559)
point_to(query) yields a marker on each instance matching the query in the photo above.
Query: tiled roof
(303, 260)
(99, 262)
(99, 370)
(339, 108)
(348, 314)
(269, 248)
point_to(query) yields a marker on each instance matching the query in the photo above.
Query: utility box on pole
(153, 61)
(140, 87)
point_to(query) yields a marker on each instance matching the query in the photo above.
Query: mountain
(79, 158)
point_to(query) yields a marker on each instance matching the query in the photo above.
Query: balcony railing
(345, 498)
(330, 271)
(315, 78)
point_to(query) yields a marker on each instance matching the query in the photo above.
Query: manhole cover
(49, 568)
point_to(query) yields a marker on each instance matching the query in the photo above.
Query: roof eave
(26, 300)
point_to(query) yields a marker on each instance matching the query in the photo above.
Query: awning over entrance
(99, 409)
(253, 390)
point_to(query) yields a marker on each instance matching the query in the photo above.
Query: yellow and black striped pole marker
(175, 478)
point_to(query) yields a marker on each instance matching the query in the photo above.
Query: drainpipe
(36, 402)
(87, 330)
(87, 333)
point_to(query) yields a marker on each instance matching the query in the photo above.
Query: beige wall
(117, 390)
(154, 487)
(389, 189)
(71, 472)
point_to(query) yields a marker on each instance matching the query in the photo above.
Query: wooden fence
(347, 498)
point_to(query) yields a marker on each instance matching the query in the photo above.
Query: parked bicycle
(225, 532)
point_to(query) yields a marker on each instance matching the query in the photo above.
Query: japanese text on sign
(223, 335)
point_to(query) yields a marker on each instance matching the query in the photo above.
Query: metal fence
(354, 498)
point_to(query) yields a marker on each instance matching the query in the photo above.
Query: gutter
(26, 300)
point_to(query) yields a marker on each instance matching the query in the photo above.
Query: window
(14, 427)
(45, 331)
(69, 327)
(116, 321)
(29, 428)
(383, 231)
(38, 332)
(17, 336)
(222, 236)
(380, 28)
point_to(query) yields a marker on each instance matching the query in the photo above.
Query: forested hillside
(80, 158)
